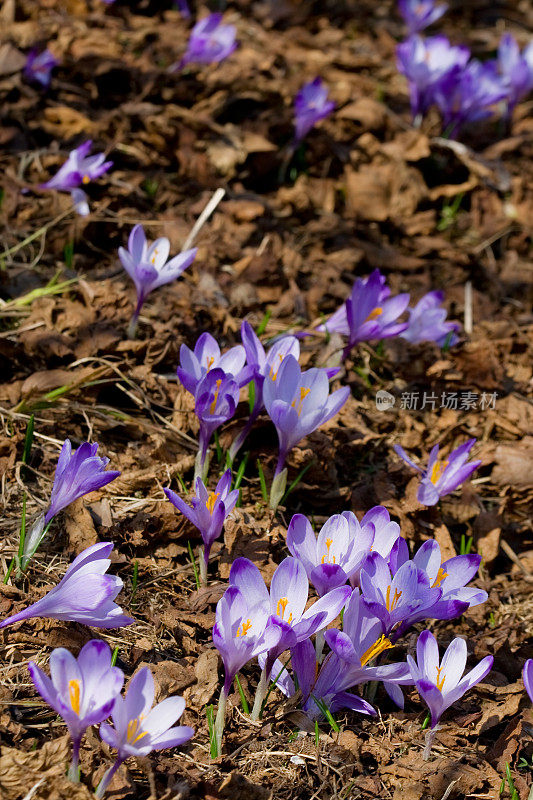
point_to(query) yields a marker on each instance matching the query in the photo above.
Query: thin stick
(202, 219)
(469, 317)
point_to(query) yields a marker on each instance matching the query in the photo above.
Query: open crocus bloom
(451, 576)
(420, 14)
(426, 62)
(147, 264)
(320, 685)
(287, 599)
(85, 594)
(81, 690)
(311, 104)
(242, 629)
(427, 322)
(443, 475)
(401, 596)
(369, 312)
(298, 403)
(527, 675)
(206, 356)
(336, 554)
(209, 509)
(361, 641)
(78, 169)
(441, 683)
(210, 42)
(470, 94)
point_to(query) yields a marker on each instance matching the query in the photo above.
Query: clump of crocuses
(148, 267)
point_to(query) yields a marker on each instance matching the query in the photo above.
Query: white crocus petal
(80, 202)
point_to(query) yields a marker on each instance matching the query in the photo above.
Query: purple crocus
(322, 685)
(369, 312)
(183, 8)
(81, 690)
(451, 576)
(138, 728)
(427, 322)
(336, 554)
(361, 641)
(420, 14)
(39, 66)
(210, 42)
(289, 591)
(208, 513)
(515, 70)
(441, 683)
(206, 356)
(77, 473)
(298, 403)
(311, 104)
(85, 594)
(217, 396)
(261, 364)
(425, 62)
(442, 475)
(468, 95)
(527, 675)
(396, 597)
(78, 169)
(242, 631)
(148, 267)
(386, 531)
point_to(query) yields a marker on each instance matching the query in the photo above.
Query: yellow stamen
(133, 727)
(438, 469)
(440, 681)
(211, 500)
(375, 649)
(273, 374)
(245, 628)
(210, 362)
(325, 559)
(85, 179)
(282, 602)
(153, 256)
(214, 403)
(303, 394)
(397, 595)
(440, 577)
(74, 694)
(376, 312)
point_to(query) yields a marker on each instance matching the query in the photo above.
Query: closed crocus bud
(210, 42)
(528, 677)
(39, 67)
(427, 322)
(420, 14)
(311, 104)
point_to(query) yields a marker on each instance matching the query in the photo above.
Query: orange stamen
(397, 595)
(214, 403)
(375, 649)
(74, 694)
(440, 577)
(211, 500)
(245, 628)
(440, 681)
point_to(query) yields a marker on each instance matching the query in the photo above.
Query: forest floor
(366, 191)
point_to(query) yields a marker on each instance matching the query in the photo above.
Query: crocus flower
(396, 596)
(425, 62)
(369, 312)
(321, 685)
(81, 690)
(39, 67)
(361, 641)
(441, 683)
(242, 631)
(420, 14)
(208, 513)
(85, 594)
(148, 267)
(217, 396)
(468, 95)
(289, 591)
(78, 169)
(527, 675)
(443, 475)
(210, 42)
(206, 356)
(183, 8)
(138, 728)
(515, 70)
(427, 322)
(339, 550)
(386, 531)
(311, 104)
(297, 403)
(77, 473)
